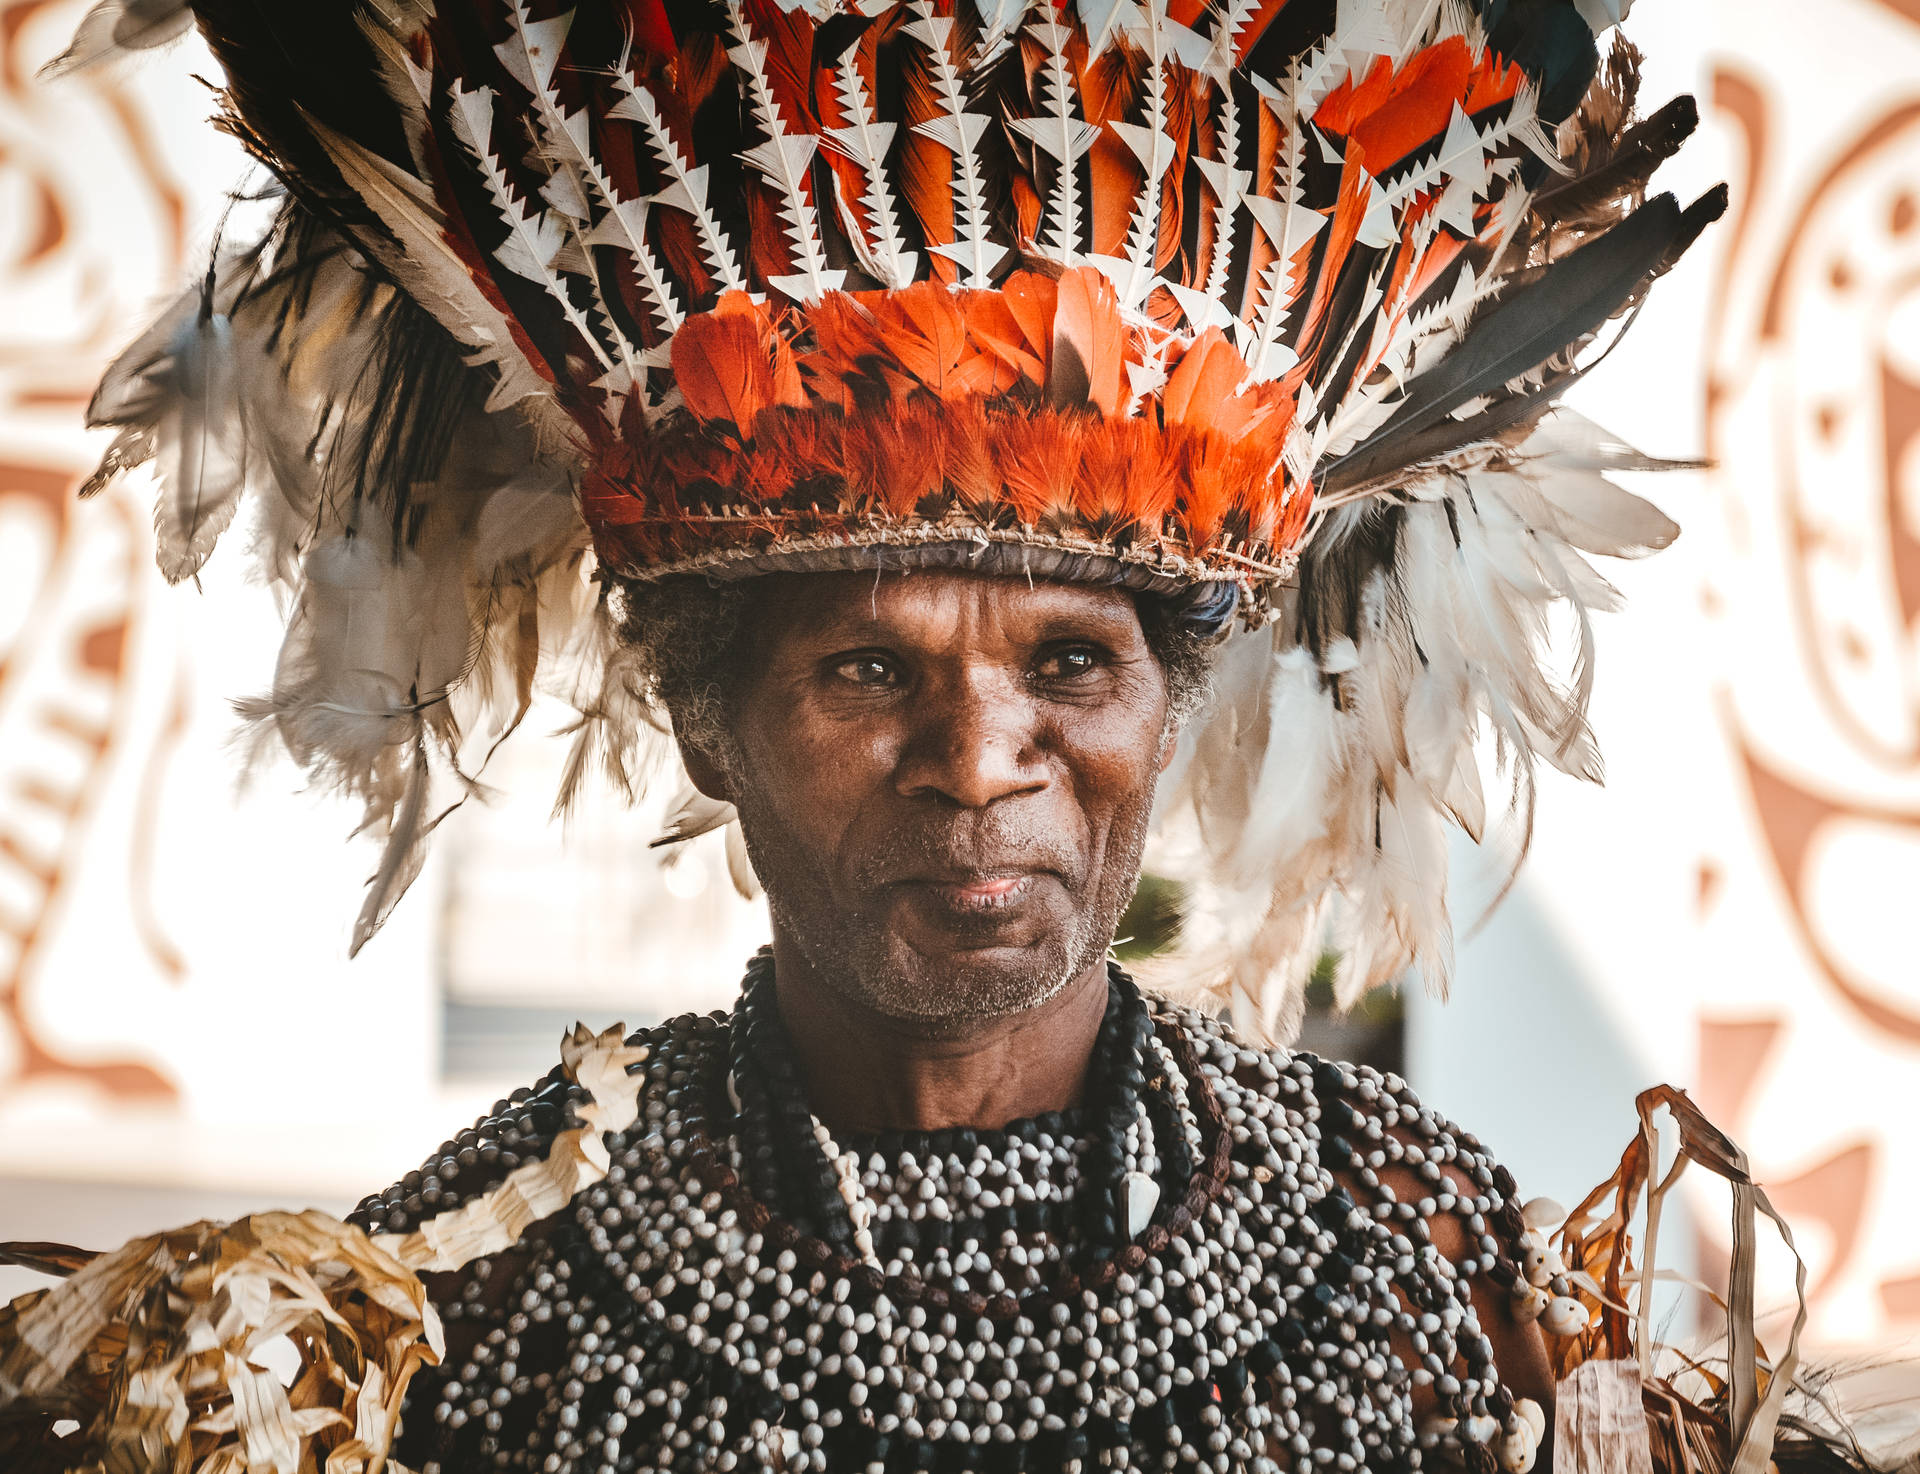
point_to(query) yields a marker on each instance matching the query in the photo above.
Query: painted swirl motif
(81, 251)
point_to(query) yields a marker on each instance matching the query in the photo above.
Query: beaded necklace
(729, 1299)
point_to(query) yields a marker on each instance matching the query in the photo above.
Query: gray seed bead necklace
(742, 1292)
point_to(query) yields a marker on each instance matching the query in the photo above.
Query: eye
(871, 671)
(1069, 663)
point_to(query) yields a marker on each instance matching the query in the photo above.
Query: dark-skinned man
(992, 439)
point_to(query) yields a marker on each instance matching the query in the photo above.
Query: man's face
(945, 781)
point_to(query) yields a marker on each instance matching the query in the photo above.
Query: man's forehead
(904, 599)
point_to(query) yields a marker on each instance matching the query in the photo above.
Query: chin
(939, 988)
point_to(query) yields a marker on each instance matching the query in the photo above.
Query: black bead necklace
(785, 1167)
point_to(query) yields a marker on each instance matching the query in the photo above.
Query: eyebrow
(1053, 621)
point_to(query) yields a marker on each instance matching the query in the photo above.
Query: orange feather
(1100, 481)
(721, 366)
(1417, 105)
(1109, 91)
(1089, 343)
(1208, 492)
(896, 460)
(1269, 139)
(1342, 231)
(1032, 300)
(1202, 383)
(1124, 478)
(992, 328)
(1181, 112)
(850, 359)
(1255, 26)
(789, 39)
(652, 32)
(924, 328)
(925, 174)
(1294, 506)
(1493, 83)
(971, 474)
(1037, 460)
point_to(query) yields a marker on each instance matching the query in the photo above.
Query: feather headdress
(1270, 293)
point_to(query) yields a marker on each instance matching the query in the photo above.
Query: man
(945, 782)
(1000, 432)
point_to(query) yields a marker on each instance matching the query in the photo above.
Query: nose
(972, 743)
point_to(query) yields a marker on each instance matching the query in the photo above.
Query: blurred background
(181, 1034)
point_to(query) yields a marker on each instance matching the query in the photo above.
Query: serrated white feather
(782, 159)
(1231, 16)
(687, 187)
(1103, 21)
(959, 132)
(999, 21)
(1261, 340)
(1063, 137)
(579, 179)
(1132, 274)
(882, 250)
(1229, 187)
(534, 237)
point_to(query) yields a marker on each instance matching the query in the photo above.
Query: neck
(865, 1071)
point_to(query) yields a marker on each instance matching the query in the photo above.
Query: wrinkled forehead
(910, 591)
(935, 606)
(889, 584)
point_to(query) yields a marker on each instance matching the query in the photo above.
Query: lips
(980, 894)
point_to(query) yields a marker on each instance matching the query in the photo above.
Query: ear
(705, 774)
(1169, 745)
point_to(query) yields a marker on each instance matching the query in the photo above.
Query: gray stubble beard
(856, 956)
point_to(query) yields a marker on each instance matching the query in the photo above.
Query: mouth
(978, 893)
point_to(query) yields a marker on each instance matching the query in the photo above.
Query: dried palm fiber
(1271, 294)
(280, 1342)
(1631, 1398)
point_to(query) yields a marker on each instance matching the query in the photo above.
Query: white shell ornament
(1518, 1449)
(1483, 1428)
(1542, 1213)
(1531, 1413)
(1539, 1261)
(1564, 1316)
(1528, 1302)
(1139, 1196)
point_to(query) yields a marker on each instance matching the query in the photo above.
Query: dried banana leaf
(1731, 1421)
(281, 1343)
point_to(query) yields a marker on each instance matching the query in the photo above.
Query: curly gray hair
(685, 635)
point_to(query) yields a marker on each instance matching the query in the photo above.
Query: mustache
(969, 843)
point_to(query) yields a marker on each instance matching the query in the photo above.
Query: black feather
(1559, 309)
(1641, 150)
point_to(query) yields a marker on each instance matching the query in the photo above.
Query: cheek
(1115, 762)
(817, 775)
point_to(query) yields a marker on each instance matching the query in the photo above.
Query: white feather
(686, 188)
(881, 248)
(116, 27)
(959, 132)
(1064, 138)
(782, 159)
